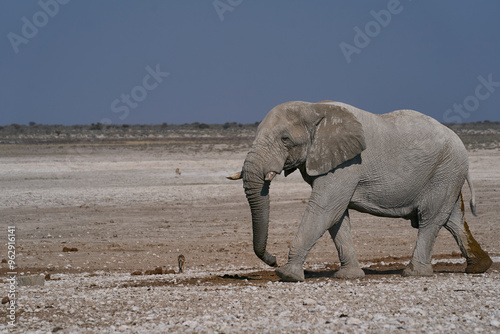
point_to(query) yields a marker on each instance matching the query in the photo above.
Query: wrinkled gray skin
(400, 164)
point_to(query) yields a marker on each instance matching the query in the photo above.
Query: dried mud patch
(262, 277)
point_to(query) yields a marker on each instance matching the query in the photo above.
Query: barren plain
(92, 206)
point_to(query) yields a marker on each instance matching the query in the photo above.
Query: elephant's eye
(285, 139)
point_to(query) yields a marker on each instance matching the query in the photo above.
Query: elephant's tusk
(270, 176)
(235, 176)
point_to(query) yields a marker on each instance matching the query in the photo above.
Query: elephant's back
(408, 119)
(419, 127)
(408, 153)
(405, 130)
(409, 142)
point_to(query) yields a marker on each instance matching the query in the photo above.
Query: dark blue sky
(152, 61)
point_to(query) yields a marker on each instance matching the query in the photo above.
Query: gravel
(201, 301)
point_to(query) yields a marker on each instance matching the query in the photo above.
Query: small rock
(309, 301)
(190, 323)
(284, 314)
(136, 273)
(156, 271)
(5, 300)
(4, 260)
(70, 249)
(353, 321)
(494, 323)
(30, 280)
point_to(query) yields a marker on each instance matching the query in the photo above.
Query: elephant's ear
(338, 137)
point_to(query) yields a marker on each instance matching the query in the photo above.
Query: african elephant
(400, 164)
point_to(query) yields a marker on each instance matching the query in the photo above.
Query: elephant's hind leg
(342, 237)
(420, 263)
(478, 261)
(432, 214)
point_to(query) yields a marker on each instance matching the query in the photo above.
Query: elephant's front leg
(342, 237)
(326, 207)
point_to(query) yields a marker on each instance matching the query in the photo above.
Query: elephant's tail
(472, 194)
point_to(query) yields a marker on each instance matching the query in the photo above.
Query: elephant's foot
(418, 270)
(478, 265)
(350, 272)
(291, 273)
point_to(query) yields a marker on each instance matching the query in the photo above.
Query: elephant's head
(314, 137)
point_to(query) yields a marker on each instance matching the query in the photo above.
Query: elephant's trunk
(257, 192)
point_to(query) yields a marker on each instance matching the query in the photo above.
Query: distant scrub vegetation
(474, 135)
(100, 126)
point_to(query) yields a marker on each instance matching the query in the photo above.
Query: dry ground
(125, 209)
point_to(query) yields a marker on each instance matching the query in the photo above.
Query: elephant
(402, 164)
